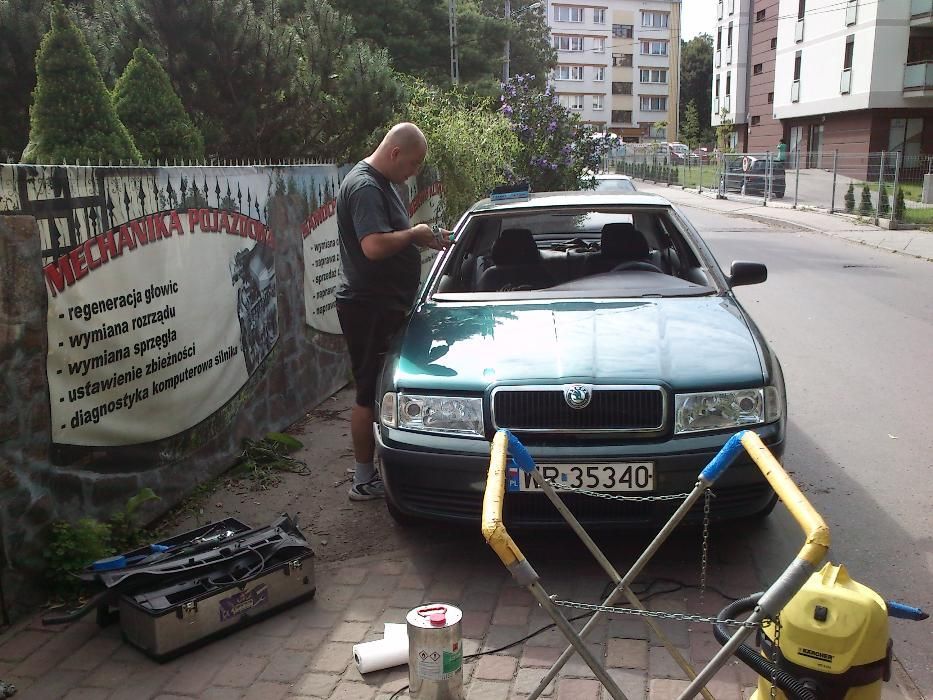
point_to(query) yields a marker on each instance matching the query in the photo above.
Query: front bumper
(444, 478)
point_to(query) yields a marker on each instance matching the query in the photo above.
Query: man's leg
(361, 432)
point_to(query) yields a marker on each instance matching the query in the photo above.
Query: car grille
(610, 410)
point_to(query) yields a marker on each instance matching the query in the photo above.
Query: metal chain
(657, 613)
(774, 655)
(704, 558)
(617, 497)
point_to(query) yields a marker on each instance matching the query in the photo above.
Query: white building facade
(731, 48)
(617, 64)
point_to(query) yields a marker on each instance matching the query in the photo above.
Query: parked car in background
(600, 330)
(678, 153)
(612, 182)
(750, 175)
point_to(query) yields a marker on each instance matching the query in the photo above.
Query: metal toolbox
(169, 621)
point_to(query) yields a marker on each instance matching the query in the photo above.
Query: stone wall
(41, 482)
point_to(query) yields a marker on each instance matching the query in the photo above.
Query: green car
(599, 329)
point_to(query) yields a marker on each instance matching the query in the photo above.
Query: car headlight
(719, 410)
(455, 415)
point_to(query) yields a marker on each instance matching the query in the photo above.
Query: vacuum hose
(792, 687)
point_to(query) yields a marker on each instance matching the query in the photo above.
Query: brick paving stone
(632, 682)
(578, 689)
(725, 690)
(703, 646)
(61, 645)
(316, 685)
(478, 601)
(577, 667)
(335, 597)
(413, 581)
(527, 679)
(85, 694)
(346, 690)
(488, 690)
(393, 680)
(349, 575)
(539, 657)
(389, 568)
(495, 668)
(350, 632)
(377, 586)
(171, 696)
(309, 615)
(627, 627)
(240, 671)
(52, 685)
(221, 693)
(474, 624)
(444, 591)
(395, 616)
(94, 652)
(280, 625)
(144, 684)
(745, 675)
(192, 677)
(257, 645)
(627, 653)
(513, 595)
(364, 609)
(307, 639)
(500, 636)
(662, 665)
(405, 598)
(511, 615)
(264, 690)
(110, 674)
(665, 689)
(332, 657)
(22, 644)
(286, 666)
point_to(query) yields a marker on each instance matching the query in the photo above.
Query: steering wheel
(637, 265)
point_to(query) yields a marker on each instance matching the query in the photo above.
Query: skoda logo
(578, 396)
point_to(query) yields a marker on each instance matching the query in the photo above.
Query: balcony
(845, 82)
(798, 31)
(852, 11)
(728, 55)
(921, 12)
(719, 9)
(717, 59)
(918, 79)
(727, 103)
(716, 106)
(795, 91)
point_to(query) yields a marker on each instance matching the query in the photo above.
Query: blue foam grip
(718, 464)
(905, 612)
(520, 454)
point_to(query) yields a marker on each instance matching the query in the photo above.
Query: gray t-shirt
(367, 204)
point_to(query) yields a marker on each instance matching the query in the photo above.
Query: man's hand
(378, 246)
(431, 237)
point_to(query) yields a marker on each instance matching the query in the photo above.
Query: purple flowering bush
(556, 151)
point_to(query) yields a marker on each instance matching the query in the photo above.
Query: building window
(729, 36)
(621, 116)
(774, 43)
(801, 8)
(599, 74)
(654, 48)
(718, 38)
(728, 84)
(756, 120)
(568, 43)
(717, 86)
(597, 102)
(599, 15)
(619, 88)
(568, 13)
(770, 98)
(906, 136)
(758, 69)
(599, 45)
(576, 102)
(798, 57)
(653, 104)
(652, 75)
(568, 73)
(760, 15)
(850, 49)
(623, 31)
(657, 20)
(621, 60)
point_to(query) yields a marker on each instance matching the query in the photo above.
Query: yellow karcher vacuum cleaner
(832, 641)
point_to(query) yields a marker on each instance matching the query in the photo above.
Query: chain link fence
(872, 186)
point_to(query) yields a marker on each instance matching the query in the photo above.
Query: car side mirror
(747, 273)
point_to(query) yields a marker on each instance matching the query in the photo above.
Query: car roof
(539, 200)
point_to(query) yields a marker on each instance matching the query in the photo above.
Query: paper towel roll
(384, 653)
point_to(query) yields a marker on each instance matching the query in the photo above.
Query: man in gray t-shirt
(382, 269)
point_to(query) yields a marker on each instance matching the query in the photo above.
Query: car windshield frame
(683, 238)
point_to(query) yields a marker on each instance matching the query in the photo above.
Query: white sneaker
(367, 491)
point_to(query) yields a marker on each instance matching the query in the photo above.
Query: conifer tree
(899, 206)
(72, 118)
(153, 113)
(884, 204)
(850, 199)
(865, 207)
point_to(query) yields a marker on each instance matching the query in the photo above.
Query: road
(853, 327)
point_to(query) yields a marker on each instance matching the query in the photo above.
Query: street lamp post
(507, 56)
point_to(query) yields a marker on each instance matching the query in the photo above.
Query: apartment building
(847, 76)
(618, 64)
(855, 77)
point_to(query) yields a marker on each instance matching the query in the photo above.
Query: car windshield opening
(574, 252)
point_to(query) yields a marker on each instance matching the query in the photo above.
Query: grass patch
(919, 217)
(912, 191)
(690, 177)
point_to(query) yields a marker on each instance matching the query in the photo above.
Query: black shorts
(367, 330)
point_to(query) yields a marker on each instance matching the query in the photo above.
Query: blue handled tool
(905, 612)
(121, 561)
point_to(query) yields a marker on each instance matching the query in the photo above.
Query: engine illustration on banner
(322, 250)
(161, 294)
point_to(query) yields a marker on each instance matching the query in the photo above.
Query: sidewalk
(916, 243)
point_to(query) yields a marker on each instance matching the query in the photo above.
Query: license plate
(617, 476)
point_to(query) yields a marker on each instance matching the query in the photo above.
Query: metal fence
(871, 186)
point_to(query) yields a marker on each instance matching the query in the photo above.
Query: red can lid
(438, 618)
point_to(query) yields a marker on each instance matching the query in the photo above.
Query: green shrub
(865, 207)
(884, 204)
(850, 199)
(899, 206)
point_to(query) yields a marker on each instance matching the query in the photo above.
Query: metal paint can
(435, 652)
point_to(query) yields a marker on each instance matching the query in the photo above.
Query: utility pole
(508, 43)
(454, 50)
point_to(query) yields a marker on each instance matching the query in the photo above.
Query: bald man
(381, 273)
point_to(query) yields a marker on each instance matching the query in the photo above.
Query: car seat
(621, 246)
(513, 263)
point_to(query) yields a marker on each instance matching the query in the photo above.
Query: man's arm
(380, 245)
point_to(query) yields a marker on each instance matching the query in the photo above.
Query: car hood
(685, 343)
